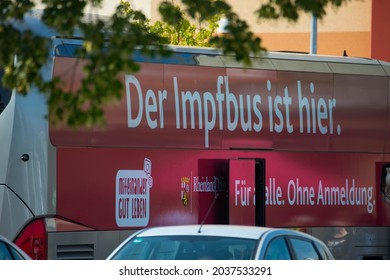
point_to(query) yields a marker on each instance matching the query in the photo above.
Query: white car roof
(212, 230)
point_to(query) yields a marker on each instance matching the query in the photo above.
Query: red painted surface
(242, 192)
(161, 160)
(175, 106)
(380, 33)
(310, 189)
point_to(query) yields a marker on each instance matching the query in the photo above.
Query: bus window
(385, 184)
(5, 95)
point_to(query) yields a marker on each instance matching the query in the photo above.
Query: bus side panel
(310, 189)
(306, 110)
(321, 189)
(252, 89)
(360, 113)
(387, 139)
(89, 188)
(181, 106)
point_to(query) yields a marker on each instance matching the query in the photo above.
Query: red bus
(295, 141)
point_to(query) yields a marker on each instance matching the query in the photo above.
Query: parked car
(221, 242)
(10, 251)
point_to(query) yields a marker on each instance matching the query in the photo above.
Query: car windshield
(187, 248)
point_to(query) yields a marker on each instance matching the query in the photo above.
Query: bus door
(247, 192)
(212, 191)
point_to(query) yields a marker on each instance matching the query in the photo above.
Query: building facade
(359, 27)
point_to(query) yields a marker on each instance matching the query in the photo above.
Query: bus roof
(280, 61)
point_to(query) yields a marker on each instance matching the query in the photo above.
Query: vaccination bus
(295, 141)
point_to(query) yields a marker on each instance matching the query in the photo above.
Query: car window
(5, 254)
(278, 250)
(147, 249)
(16, 255)
(304, 249)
